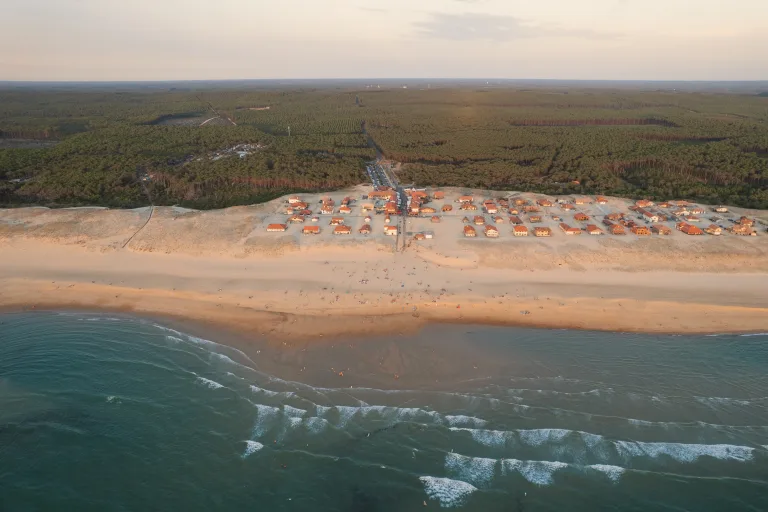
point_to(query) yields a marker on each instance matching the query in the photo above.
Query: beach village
(427, 214)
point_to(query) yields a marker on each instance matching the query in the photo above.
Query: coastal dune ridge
(222, 267)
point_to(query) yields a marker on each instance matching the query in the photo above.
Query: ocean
(104, 412)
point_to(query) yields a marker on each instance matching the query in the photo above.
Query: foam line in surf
(577, 443)
(212, 384)
(251, 447)
(481, 472)
(449, 493)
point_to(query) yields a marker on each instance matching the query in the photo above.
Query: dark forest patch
(594, 122)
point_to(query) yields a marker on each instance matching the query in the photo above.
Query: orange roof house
(428, 209)
(601, 200)
(534, 219)
(498, 219)
(721, 209)
(435, 219)
(745, 221)
(593, 230)
(479, 220)
(335, 221)
(641, 230)
(465, 199)
(419, 236)
(581, 217)
(652, 217)
(446, 208)
(531, 209)
(294, 199)
(520, 231)
(514, 219)
(326, 210)
(689, 229)
(387, 195)
(490, 207)
(469, 231)
(568, 230)
(296, 219)
(465, 220)
(743, 230)
(390, 230)
(520, 201)
(661, 229)
(491, 231)
(544, 203)
(714, 229)
(311, 230)
(345, 210)
(342, 230)
(439, 194)
(567, 206)
(468, 206)
(367, 219)
(365, 229)
(616, 229)
(542, 232)
(276, 227)
(643, 203)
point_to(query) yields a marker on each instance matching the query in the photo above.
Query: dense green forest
(211, 146)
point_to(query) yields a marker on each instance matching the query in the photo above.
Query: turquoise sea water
(111, 413)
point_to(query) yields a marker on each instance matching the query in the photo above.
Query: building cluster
(573, 216)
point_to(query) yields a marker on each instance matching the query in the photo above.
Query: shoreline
(211, 314)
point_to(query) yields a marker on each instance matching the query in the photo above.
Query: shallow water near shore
(103, 412)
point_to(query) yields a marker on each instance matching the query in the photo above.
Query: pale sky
(236, 39)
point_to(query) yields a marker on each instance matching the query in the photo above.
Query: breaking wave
(252, 447)
(579, 446)
(480, 471)
(209, 383)
(449, 493)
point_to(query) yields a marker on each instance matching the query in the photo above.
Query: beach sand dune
(224, 268)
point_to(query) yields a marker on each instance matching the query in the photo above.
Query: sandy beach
(222, 268)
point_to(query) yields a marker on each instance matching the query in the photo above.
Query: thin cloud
(476, 26)
(373, 9)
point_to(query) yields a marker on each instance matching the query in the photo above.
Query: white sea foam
(542, 436)
(380, 412)
(612, 472)
(464, 421)
(113, 399)
(209, 383)
(489, 438)
(685, 453)
(602, 448)
(537, 472)
(266, 416)
(715, 401)
(755, 334)
(476, 470)
(449, 493)
(272, 394)
(252, 447)
(315, 425)
(293, 411)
